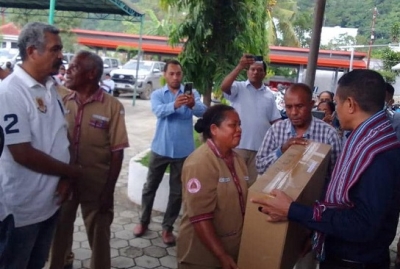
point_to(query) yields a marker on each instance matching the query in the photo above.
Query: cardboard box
(300, 172)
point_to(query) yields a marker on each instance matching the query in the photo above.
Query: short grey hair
(32, 34)
(92, 61)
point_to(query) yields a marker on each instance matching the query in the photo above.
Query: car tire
(115, 93)
(148, 89)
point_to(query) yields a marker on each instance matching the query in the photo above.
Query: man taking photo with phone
(173, 142)
(255, 104)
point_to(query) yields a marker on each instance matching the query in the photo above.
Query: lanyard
(229, 161)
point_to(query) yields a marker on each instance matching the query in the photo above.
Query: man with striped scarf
(356, 222)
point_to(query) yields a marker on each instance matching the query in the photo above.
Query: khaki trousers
(97, 228)
(249, 157)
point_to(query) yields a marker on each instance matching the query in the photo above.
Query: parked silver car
(149, 75)
(110, 64)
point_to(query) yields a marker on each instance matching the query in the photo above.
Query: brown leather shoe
(168, 238)
(139, 230)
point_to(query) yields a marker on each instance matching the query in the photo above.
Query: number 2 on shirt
(9, 128)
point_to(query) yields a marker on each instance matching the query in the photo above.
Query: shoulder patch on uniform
(246, 178)
(122, 112)
(193, 185)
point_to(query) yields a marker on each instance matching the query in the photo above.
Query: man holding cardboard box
(357, 220)
(300, 127)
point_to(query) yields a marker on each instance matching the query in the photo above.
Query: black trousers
(157, 166)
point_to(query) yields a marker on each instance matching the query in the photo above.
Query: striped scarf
(374, 136)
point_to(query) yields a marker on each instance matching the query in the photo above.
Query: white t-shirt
(30, 112)
(108, 85)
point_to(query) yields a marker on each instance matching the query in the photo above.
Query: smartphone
(258, 58)
(188, 88)
(318, 114)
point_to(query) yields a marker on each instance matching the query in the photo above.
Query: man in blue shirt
(172, 143)
(356, 222)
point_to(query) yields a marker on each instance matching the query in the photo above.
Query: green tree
(281, 15)
(395, 31)
(216, 33)
(302, 26)
(158, 20)
(390, 58)
(341, 40)
(64, 20)
(129, 51)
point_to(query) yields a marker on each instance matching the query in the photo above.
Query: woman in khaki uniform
(214, 182)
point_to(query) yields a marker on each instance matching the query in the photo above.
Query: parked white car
(8, 55)
(149, 75)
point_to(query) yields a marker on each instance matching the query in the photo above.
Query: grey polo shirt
(256, 108)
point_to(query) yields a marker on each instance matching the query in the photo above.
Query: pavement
(127, 251)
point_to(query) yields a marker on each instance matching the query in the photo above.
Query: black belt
(353, 264)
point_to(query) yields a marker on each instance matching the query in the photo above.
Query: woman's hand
(227, 262)
(328, 119)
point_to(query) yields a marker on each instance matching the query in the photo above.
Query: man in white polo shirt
(256, 106)
(36, 151)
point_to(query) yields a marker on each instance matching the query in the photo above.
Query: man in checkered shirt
(300, 127)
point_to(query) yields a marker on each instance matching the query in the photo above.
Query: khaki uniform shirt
(63, 91)
(96, 128)
(209, 192)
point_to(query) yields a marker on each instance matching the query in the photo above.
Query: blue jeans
(25, 247)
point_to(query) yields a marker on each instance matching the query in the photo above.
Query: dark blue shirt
(364, 232)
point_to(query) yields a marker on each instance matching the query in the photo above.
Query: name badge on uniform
(224, 179)
(99, 117)
(100, 122)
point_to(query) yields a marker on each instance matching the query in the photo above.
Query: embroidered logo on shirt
(41, 105)
(224, 179)
(193, 185)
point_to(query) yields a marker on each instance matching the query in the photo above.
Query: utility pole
(372, 39)
(319, 11)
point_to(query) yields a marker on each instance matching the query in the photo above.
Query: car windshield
(145, 66)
